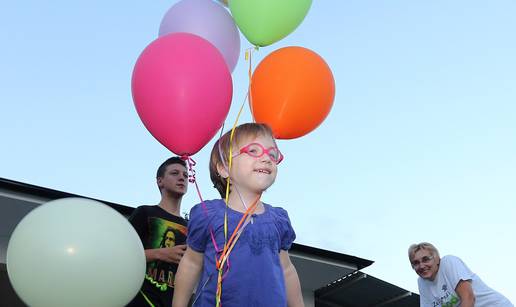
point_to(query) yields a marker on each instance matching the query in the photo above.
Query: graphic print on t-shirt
(163, 234)
(447, 299)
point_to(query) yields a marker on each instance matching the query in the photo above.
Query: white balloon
(75, 252)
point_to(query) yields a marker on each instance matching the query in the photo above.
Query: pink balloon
(182, 91)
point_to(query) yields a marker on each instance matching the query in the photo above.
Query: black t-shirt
(157, 229)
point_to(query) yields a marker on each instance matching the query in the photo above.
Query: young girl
(255, 268)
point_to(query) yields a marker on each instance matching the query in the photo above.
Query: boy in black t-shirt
(163, 234)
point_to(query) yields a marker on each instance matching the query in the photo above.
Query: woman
(448, 282)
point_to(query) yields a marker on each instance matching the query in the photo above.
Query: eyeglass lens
(424, 260)
(256, 150)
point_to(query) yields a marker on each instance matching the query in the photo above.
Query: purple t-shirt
(255, 276)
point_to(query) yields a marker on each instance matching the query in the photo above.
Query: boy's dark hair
(221, 150)
(163, 167)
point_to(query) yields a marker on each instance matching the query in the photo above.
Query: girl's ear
(223, 172)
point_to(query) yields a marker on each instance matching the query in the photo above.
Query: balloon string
(191, 163)
(242, 223)
(222, 130)
(192, 179)
(218, 294)
(248, 56)
(230, 162)
(224, 257)
(191, 174)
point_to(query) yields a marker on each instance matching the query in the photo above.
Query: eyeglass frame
(245, 150)
(424, 260)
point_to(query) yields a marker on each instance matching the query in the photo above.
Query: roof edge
(35, 190)
(359, 262)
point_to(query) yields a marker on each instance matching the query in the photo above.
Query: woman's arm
(187, 276)
(465, 292)
(294, 296)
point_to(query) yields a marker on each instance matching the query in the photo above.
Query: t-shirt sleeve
(139, 221)
(455, 270)
(287, 234)
(198, 225)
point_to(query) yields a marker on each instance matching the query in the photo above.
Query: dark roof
(21, 187)
(313, 251)
(361, 290)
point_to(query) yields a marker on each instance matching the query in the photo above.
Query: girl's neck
(242, 202)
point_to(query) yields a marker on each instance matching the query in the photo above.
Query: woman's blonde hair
(414, 248)
(220, 152)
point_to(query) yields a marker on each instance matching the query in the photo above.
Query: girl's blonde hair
(220, 152)
(414, 248)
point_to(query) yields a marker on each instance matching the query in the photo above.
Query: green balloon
(264, 22)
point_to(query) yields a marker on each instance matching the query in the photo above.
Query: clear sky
(420, 144)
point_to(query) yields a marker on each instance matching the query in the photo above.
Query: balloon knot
(191, 163)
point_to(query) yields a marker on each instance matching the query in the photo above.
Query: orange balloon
(292, 90)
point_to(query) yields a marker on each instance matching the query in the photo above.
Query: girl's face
(250, 174)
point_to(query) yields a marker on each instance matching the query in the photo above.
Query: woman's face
(425, 264)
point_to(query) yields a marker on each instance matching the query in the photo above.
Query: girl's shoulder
(207, 208)
(278, 212)
(284, 226)
(280, 217)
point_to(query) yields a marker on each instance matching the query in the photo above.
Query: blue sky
(420, 144)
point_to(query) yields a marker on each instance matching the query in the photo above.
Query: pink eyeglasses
(257, 150)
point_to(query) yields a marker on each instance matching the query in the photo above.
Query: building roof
(362, 290)
(317, 267)
(42, 195)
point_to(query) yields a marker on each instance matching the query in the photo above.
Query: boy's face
(253, 174)
(174, 180)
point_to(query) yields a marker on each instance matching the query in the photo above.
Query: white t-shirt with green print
(441, 291)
